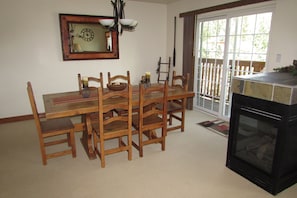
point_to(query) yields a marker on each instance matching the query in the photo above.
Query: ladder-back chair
(46, 129)
(150, 118)
(117, 127)
(119, 79)
(92, 85)
(93, 82)
(176, 108)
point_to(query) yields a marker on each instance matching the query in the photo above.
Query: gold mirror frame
(88, 35)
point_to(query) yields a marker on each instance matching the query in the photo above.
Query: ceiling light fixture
(119, 23)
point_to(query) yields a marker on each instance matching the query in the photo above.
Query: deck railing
(212, 75)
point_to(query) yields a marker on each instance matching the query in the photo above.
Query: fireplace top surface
(280, 78)
(273, 86)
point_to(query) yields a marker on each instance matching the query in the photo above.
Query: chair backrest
(119, 78)
(34, 107)
(109, 100)
(93, 82)
(148, 104)
(180, 81)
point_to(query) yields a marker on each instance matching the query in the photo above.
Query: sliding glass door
(227, 46)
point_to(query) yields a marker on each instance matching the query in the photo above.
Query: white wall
(283, 34)
(31, 48)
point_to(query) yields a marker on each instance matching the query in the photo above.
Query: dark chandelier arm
(115, 11)
(121, 11)
(115, 15)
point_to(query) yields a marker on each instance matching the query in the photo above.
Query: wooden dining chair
(176, 108)
(93, 84)
(119, 79)
(46, 129)
(117, 127)
(149, 118)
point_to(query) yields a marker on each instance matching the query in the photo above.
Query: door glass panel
(211, 53)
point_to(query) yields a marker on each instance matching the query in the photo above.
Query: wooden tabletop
(72, 103)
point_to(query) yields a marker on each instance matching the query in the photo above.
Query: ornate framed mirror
(83, 38)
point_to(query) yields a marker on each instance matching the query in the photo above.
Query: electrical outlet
(295, 62)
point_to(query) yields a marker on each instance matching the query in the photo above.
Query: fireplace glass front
(256, 142)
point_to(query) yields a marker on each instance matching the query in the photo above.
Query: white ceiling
(157, 1)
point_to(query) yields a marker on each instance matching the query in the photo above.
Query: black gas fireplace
(262, 144)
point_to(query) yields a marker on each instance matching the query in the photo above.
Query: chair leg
(69, 139)
(95, 141)
(129, 138)
(183, 121)
(170, 119)
(102, 153)
(43, 153)
(164, 133)
(120, 140)
(72, 139)
(140, 144)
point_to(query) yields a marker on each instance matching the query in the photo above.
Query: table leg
(86, 138)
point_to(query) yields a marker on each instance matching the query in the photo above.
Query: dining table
(72, 103)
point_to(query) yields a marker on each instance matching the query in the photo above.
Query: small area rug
(218, 126)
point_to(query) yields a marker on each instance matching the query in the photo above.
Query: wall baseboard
(19, 118)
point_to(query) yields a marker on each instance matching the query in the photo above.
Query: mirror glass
(89, 38)
(84, 38)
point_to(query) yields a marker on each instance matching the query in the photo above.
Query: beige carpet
(193, 166)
